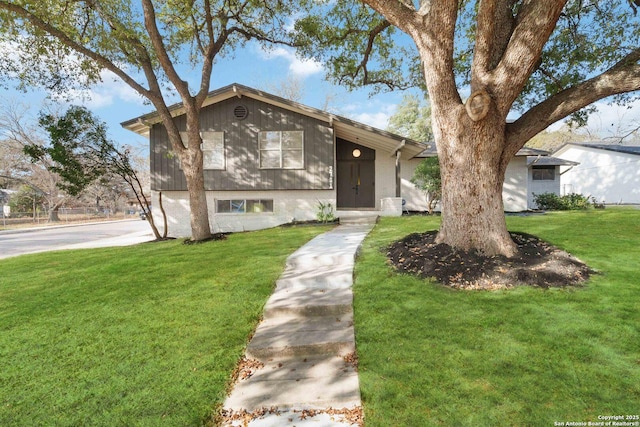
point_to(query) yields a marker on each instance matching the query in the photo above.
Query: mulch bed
(537, 264)
(214, 237)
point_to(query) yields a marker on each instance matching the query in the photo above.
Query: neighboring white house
(609, 173)
(530, 171)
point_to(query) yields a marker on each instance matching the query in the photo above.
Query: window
(212, 149)
(281, 149)
(543, 173)
(244, 206)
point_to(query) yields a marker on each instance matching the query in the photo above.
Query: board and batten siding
(242, 157)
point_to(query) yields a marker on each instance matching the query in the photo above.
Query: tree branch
(494, 29)
(534, 24)
(66, 40)
(158, 44)
(623, 77)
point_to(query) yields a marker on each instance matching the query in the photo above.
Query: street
(115, 233)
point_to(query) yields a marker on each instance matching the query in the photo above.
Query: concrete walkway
(303, 351)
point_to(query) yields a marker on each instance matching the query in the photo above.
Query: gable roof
(627, 149)
(348, 129)
(549, 161)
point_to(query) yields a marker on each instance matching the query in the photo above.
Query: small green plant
(568, 202)
(325, 212)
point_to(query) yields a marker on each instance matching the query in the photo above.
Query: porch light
(356, 153)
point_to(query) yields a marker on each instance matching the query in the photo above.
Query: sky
(114, 102)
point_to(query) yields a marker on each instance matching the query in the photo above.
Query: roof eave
(344, 128)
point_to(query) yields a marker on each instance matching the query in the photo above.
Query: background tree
(82, 155)
(426, 177)
(412, 119)
(19, 129)
(546, 59)
(28, 199)
(62, 43)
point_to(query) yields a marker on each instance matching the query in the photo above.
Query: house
(530, 171)
(270, 161)
(544, 176)
(609, 173)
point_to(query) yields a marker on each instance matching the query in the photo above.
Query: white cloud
(111, 90)
(373, 114)
(302, 67)
(379, 120)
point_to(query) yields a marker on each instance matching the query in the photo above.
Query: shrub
(553, 202)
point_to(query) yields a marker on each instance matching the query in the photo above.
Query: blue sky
(114, 102)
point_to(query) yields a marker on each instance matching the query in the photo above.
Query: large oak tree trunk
(472, 173)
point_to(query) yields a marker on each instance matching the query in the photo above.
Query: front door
(356, 175)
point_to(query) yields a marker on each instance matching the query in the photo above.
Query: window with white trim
(281, 149)
(543, 173)
(244, 206)
(212, 149)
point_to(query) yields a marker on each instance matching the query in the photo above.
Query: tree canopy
(412, 119)
(479, 62)
(149, 44)
(81, 154)
(372, 43)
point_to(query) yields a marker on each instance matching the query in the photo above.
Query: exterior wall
(609, 176)
(242, 171)
(288, 206)
(514, 192)
(540, 187)
(414, 198)
(385, 177)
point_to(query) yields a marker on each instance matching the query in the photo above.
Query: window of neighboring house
(543, 173)
(212, 149)
(244, 206)
(281, 149)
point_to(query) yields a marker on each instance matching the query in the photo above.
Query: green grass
(138, 336)
(430, 355)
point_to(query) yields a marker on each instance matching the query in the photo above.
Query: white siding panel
(608, 176)
(514, 190)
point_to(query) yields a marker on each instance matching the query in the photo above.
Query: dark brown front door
(356, 176)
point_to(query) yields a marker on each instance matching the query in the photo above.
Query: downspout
(398, 176)
(398, 152)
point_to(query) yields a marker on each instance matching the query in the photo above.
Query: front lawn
(138, 336)
(431, 355)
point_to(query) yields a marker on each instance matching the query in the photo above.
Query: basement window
(244, 206)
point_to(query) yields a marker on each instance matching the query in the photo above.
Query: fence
(65, 215)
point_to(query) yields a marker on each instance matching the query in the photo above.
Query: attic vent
(240, 112)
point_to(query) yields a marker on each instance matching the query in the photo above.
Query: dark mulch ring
(214, 237)
(538, 264)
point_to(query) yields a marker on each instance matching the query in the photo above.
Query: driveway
(94, 235)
